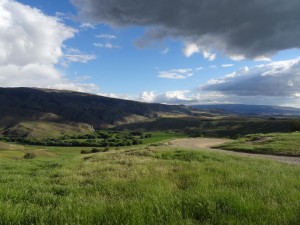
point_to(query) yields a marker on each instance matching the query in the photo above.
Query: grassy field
(145, 185)
(45, 129)
(157, 137)
(274, 143)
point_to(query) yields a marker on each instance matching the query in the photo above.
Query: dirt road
(206, 144)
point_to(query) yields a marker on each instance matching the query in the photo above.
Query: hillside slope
(31, 104)
(258, 110)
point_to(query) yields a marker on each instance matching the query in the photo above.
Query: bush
(85, 151)
(136, 133)
(29, 155)
(95, 150)
(136, 142)
(148, 135)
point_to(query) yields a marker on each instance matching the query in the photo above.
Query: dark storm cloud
(251, 28)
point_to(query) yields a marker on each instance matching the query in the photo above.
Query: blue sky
(155, 60)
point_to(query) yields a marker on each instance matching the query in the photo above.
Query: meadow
(286, 144)
(144, 184)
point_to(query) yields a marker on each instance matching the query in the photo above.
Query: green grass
(162, 136)
(147, 185)
(274, 143)
(43, 129)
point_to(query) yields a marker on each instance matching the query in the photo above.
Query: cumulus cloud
(274, 83)
(275, 79)
(253, 29)
(170, 97)
(27, 35)
(176, 74)
(31, 44)
(186, 97)
(192, 48)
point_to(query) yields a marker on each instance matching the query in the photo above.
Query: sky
(165, 51)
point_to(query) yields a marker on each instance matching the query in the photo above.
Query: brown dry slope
(206, 144)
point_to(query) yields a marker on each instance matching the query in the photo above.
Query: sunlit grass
(147, 185)
(274, 143)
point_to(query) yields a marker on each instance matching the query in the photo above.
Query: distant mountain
(66, 107)
(259, 110)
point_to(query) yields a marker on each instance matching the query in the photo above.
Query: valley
(168, 165)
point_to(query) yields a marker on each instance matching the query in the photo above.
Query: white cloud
(147, 96)
(237, 57)
(81, 87)
(275, 79)
(31, 44)
(183, 97)
(176, 74)
(188, 97)
(227, 65)
(106, 36)
(192, 48)
(262, 58)
(208, 55)
(170, 97)
(275, 83)
(27, 35)
(63, 16)
(119, 96)
(107, 45)
(86, 26)
(72, 55)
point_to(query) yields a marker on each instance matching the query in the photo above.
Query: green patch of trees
(98, 138)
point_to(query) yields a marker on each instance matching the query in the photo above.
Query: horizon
(211, 54)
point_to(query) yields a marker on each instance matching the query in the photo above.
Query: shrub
(95, 150)
(29, 155)
(148, 135)
(137, 142)
(136, 133)
(85, 151)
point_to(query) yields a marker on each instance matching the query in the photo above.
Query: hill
(259, 110)
(23, 105)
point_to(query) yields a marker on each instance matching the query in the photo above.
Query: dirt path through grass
(207, 144)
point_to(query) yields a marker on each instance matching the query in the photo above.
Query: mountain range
(251, 110)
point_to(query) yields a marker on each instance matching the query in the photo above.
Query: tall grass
(273, 143)
(150, 185)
